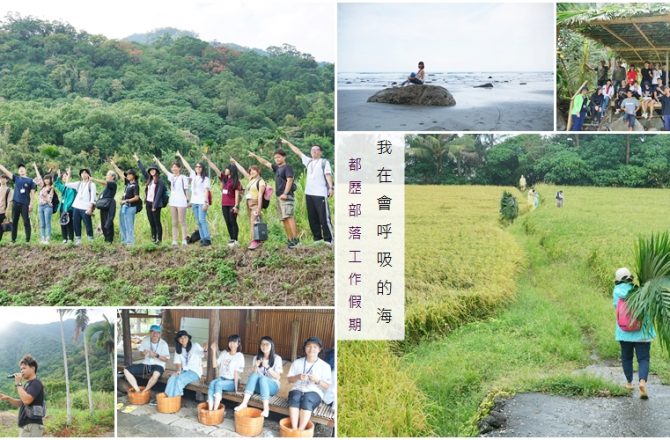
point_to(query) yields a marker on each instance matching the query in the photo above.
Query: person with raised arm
(107, 204)
(155, 196)
(254, 198)
(65, 209)
(46, 199)
(231, 194)
(318, 189)
(230, 365)
(179, 200)
(285, 190)
(22, 202)
(200, 189)
(131, 203)
(83, 205)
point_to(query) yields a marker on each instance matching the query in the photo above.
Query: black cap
(313, 340)
(181, 333)
(84, 169)
(153, 167)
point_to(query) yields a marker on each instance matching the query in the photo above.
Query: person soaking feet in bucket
(156, 354)
(230, 364)
(632, 335)
(265, 380)
(188, 361)
(311, 377)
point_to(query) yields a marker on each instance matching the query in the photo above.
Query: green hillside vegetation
(496, 310)
(44, 343)
(72, 98)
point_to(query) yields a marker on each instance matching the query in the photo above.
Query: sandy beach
(476, 109)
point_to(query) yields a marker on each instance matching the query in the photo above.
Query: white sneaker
(644, 115)
(174, 243)
(77, 241)
(184, 243)
(233, 243)
(65, 242)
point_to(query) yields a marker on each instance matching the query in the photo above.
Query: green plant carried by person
(509, 207)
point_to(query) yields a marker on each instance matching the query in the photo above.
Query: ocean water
(453, 81)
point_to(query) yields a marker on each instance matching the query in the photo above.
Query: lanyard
(305, 366)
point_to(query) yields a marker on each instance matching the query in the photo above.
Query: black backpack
(54, 200)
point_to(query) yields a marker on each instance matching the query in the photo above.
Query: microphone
(10, 376)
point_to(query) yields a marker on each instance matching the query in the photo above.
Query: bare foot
(240, 407)
(266, 413)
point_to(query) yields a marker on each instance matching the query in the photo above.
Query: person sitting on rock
(416, 77)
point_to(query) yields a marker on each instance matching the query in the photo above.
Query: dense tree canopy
(71, 98)
(599, 160)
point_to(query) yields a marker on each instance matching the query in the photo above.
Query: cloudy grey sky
(307, 24)
(45, 315)
(448, 37)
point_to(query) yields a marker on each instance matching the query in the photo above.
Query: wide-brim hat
(181, 333)
(153, 167)
(84, 169)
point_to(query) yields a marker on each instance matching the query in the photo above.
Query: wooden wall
(251, 325)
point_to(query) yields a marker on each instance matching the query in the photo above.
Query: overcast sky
(455, 37)
(45, 315)
(307, 24)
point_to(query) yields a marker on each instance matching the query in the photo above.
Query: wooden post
(127, 346)
(568, 126)
(214, 331)
(295, 334)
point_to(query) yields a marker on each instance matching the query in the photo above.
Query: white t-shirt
(277, 367)
(191, 361)
(160, 347)
(199, 188)
(85, 194)
(228, 364)
(151, 189)
(178, 190)
(316, 180)
(320, 368)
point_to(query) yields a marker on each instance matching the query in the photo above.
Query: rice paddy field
(495, 309)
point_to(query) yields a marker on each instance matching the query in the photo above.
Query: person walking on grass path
(265, 378)
(22, 202)
(156, 198)
(83, 205)
(107, 204)
(65, 209)
(31, 399)
(559, 199)
(156, 354)
(231, 195)
(285, 190)
(318, 189)
(633, 337)
(254, 198)
(188, 361)
(200, 198)
(46, 199)
(230, 365)
(178, 201)
(5, 202)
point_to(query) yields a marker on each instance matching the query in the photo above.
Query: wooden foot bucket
(139, 398)
(286, 431)
(207, 417)
(249, 422)
(168, 405)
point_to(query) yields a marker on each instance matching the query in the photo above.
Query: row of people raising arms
(310, 376)
(76, 201)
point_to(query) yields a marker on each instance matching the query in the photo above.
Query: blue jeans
(642, 351)
(262, 385)
(578, 121)
(176, 384)
(45, 213)
(630, 119)
(127, 219)
(666, 122)
(218, 386)
(201, 219)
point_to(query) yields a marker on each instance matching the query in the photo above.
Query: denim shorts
(308, 401)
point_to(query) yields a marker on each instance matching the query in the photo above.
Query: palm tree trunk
(88, 378)
(68, 401)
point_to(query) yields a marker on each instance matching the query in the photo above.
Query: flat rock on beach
(415, 95)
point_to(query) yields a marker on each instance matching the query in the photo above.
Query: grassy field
(101, 423)
(518, 308)
(146, 274)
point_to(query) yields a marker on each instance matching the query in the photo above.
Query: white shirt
(151, 189)
(85, 194)
(319, 368)
(278, 367)
(199, 188)
(316, 180)
(178, 190)
(191, 361)
(160, 347)
(228, 364)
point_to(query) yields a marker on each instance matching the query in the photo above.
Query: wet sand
(475, 110)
